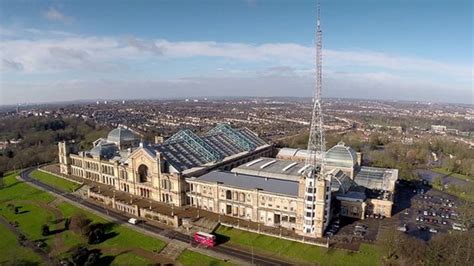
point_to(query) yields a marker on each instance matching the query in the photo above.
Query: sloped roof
(341, 155)
(186, 150)
(121, 134)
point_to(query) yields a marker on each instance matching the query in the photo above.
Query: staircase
(205, 225)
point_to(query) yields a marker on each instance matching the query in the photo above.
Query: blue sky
(399, 49)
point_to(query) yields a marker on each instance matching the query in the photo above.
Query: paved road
(243, 255)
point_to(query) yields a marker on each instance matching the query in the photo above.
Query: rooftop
(376, 178)
(278, 186)
(121, 134)
(271, 167)
(186, 150)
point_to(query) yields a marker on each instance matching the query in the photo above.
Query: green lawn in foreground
(12, 253)
(191, 258)
(19, 190)
(299, 252)
(446, 172)
(55, 181)
(129, 259)
(126, 237)
(30, 221)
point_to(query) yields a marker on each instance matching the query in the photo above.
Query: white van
(132, 221)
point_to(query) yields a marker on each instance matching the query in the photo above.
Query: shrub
(45, 230)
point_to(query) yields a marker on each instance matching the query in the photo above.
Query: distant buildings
(438, 129)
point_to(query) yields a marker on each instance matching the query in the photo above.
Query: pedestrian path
(173, 249)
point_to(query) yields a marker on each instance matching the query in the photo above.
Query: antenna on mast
(316, 152)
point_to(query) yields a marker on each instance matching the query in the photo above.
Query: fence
(304, 240)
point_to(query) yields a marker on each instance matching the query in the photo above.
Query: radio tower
(316, 202)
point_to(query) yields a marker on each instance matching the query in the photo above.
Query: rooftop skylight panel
(254, 162)
(267, 164)
(303, 168)
(289, 166)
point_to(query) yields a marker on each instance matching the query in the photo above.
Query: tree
(67, 221)
(93, 259)
(79, 255)
(96, 236)
(45, 230)
(79, 224)
(390, 240)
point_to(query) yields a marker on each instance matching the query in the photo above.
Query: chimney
(159, 139)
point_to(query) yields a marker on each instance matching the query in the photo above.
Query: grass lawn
(19, 190)
(446, 172)
(190, 258)
(11, 253)
(465, 193)
(299, 252)
(31, 220)
(32, 217)
(125, 237)
(129, 259)
(55, 181)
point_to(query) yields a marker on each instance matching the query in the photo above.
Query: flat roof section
(278, 186)
(272, 168)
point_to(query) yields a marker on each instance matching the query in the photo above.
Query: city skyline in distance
(392, 51)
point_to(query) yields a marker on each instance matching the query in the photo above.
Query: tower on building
(317, 187)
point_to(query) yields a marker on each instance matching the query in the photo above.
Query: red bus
(206, 239)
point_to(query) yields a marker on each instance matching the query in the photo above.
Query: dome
(120, 135)
(341, 156)
(104, 150)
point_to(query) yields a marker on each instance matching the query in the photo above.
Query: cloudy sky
(393, 49)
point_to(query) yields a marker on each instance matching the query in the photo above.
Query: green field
(12, 252)
(299, 252)
(446, 172)
(36, 208)
(126, 238)
(191, 258)
(55, 181)
(465, 192)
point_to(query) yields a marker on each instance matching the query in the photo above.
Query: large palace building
(233, 172)
(159, 171)
(271, 191)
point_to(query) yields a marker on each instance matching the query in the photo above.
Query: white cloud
(283, 68)
(35, 54)
(55, 15)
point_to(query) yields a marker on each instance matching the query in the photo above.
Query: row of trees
(455, 248)
(443, 249)
(38, 137)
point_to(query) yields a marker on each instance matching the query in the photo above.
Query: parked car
(133, 221)
(402, 228)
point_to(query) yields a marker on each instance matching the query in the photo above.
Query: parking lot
(431, 212)
(349, 230)
(419, 211)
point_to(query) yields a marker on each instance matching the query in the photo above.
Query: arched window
(228, 194)
(143, 173)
